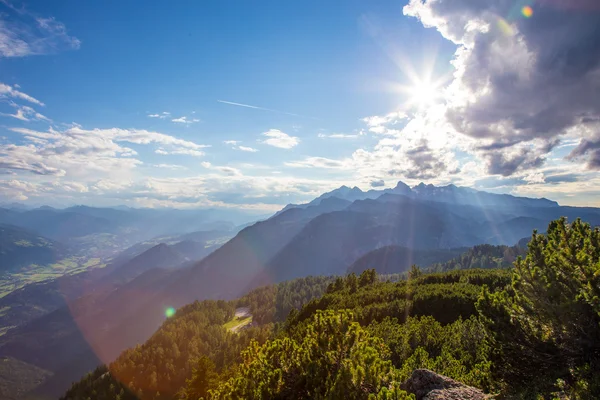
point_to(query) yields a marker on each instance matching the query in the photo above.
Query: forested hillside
(530, 330)
(482, 256)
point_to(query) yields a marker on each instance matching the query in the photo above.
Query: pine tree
(545, 327)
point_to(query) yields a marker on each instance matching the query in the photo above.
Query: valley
(83, 310)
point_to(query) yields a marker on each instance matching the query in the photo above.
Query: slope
(397, 259)
(20, 247)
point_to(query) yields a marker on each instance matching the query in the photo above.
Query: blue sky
(258, 104)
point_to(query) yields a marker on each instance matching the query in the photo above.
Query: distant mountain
(330, 233)
(20, 247)
(331, 242)
(325, 236)
(38, 299)
(159, 256)
(351, 194)
(397, 259)
(445, 194)
(56, 224)
(15, 206)
(103, 232)
(462, 195)
(197, 244)
(190, 249)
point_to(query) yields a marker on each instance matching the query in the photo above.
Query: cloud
(8, 91)
(556, 179)
(235, 145)
(377, 183)
(174, 167)
(280, 139)
(230, 171)
(180, 151)
(536, 81)
(248, 149)
(319, 162)
(426, 163)
(161, 115)
(185, 120)
(384, 125)
(85, 153)
(26, 113)
(226, 187)
(22, 33)
(337, 136)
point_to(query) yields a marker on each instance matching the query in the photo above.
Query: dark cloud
(530, 85)
(426, 164)
(377, 183)
(563, 178)
(503, 164)
(589, 149)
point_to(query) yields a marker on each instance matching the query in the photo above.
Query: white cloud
(180, 151)
(235, 144)
(85, 153)
(280, 139)
(174, 167)
(248, 149)
(185, 120)
(24, 34)
(162, 115)
(320, 162)
(230, 171)
(337, 136)
(26, 113)
(8, 91)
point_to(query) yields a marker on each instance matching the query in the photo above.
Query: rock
(427, 385)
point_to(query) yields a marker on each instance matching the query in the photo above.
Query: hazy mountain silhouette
(20, 247)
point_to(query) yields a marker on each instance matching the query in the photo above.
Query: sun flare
(424, 93)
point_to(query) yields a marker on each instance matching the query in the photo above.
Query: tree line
(531, 331)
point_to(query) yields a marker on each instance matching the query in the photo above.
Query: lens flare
(527, 11)
(505, 27)
(169, 312)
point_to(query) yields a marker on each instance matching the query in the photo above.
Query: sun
(424, 94)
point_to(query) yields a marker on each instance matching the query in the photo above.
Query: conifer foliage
(545, 328)
(529, 332)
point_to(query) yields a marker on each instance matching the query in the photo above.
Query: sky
(254, 105)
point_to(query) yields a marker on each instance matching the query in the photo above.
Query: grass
(237, 322)
(37, 273)
(92, 262)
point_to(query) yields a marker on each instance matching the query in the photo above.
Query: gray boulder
(427, 385)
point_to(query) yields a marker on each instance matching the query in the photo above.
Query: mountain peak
(401, 184)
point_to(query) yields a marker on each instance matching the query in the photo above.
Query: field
(37, 273)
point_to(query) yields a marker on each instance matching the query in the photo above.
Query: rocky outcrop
(427, 385)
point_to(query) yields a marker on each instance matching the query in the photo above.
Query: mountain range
(327, 236)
